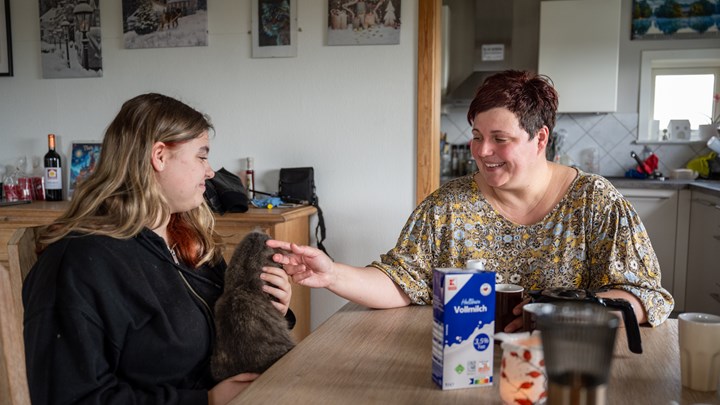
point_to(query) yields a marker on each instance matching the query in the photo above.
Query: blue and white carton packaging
(463, 328)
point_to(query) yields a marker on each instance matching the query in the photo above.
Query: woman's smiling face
(503, 151)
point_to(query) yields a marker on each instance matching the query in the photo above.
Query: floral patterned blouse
(592, 238)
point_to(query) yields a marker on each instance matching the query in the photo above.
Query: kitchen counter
(711, 186)
(675, 213)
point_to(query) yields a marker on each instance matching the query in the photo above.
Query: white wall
(349, 111)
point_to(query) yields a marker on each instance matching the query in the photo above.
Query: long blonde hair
(121, 196)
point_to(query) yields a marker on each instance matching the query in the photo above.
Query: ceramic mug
(699, 341)
(507, 297)
(523, 379)
(714, 144)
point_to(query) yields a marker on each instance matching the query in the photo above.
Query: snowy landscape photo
(667, 19)
(363, 22)
(164, 23)
(70, 40)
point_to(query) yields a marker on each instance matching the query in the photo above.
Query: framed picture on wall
(83, 158)
(274, 28)
(165, 23)
(6, 67)
(363, 22)
(70, 39)
(678, 19)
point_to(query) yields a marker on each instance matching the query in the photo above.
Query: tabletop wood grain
(365, 356)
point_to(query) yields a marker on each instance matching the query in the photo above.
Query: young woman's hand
(229, 388)
(278, 285)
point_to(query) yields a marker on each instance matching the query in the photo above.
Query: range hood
(483, 37)
(464, 92)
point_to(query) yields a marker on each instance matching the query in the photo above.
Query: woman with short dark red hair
(533, 222)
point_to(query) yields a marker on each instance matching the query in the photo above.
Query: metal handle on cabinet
(645, 197)
(707, 202)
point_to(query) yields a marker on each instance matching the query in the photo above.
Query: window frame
(687, 60)
(685, 71)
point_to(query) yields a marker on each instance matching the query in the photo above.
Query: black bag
(225, 193)
(297, 185)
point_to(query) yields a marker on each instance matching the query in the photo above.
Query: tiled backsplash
(612, 135)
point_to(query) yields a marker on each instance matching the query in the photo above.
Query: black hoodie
(111, 321)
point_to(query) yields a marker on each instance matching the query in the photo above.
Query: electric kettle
(582, 295)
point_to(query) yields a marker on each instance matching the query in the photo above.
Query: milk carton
(463, 326)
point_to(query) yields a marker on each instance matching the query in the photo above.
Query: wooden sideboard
(289, 224)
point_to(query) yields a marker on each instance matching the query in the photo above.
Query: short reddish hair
(531, 97)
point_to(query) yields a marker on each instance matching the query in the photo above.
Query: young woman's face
(182, 172)
(502, 149)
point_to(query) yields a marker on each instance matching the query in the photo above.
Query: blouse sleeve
(409, 264)
(621, 255)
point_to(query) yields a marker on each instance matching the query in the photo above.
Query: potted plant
(707, 131)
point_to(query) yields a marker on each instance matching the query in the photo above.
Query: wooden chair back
(22, 254)
(13, 375)
(22, 251)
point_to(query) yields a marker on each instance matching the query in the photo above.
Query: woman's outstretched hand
(311, 267)
(306, 265)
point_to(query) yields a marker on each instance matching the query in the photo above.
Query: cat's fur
(251, 334)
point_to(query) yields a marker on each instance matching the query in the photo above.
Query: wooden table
(363, 356)
(289, 224)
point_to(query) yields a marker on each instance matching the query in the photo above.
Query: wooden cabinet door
(658, 212)
(703, 275)
(580, 52)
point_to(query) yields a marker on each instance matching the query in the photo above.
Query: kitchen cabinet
(665, 215)
(579, 50)
(289, 224)
(703, 278)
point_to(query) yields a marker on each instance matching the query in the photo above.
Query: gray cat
(251, 334)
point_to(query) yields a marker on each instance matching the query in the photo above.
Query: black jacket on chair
(111, 321)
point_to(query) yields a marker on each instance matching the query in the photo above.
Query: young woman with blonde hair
(118, 308)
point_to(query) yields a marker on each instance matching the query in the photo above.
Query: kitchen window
(677, 85)
(684, 93)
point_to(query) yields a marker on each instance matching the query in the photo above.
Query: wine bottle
(53, 172)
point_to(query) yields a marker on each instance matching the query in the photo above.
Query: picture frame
(83, 158)
(363, 22)
(70, 39)
(165, 24)
(659, 20)
(274, 28)
(6, 65)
